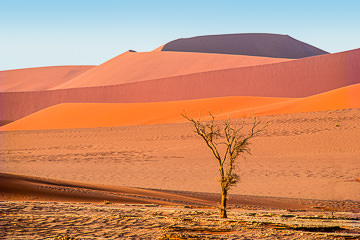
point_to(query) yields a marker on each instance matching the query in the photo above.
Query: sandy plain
(303, 162)
(303, 155)
(135, 221)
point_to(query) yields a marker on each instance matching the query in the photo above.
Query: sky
(37, 33)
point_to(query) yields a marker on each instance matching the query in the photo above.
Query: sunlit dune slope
(35, 79)
(342, 98)
(89, 115)
(252, 44)
(158, 48)
(139, 66)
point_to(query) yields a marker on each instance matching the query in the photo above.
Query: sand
(304, 155)
(36, 79)
(115, 221)
(290, 79)
(90, 115)
(108, 155)
(159, 181)
(141, 66)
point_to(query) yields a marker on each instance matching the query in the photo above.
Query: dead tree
(234, 144)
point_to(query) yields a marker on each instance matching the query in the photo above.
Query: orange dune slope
(140, 66)
(342, 98)
(35, 79)
(158, 49)
(90, 115)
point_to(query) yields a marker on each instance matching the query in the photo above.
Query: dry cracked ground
(54, 220)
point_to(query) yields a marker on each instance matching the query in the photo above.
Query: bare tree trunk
(235, 143)
(223, 203)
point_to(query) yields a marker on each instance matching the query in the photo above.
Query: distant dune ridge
(131, 67)
(38, 79)
(252, 44)
(163, 76)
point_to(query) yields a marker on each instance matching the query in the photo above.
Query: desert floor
(40, 220)
(305, 162)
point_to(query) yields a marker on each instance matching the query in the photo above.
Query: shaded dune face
(253, 44)
(37, 79)
(289, 79)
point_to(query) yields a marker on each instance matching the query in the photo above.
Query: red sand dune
(252, 44)
(140, 66)
(90, 115)
(35, 79)
(296, 78)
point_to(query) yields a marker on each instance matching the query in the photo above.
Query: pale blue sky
(37, 33)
